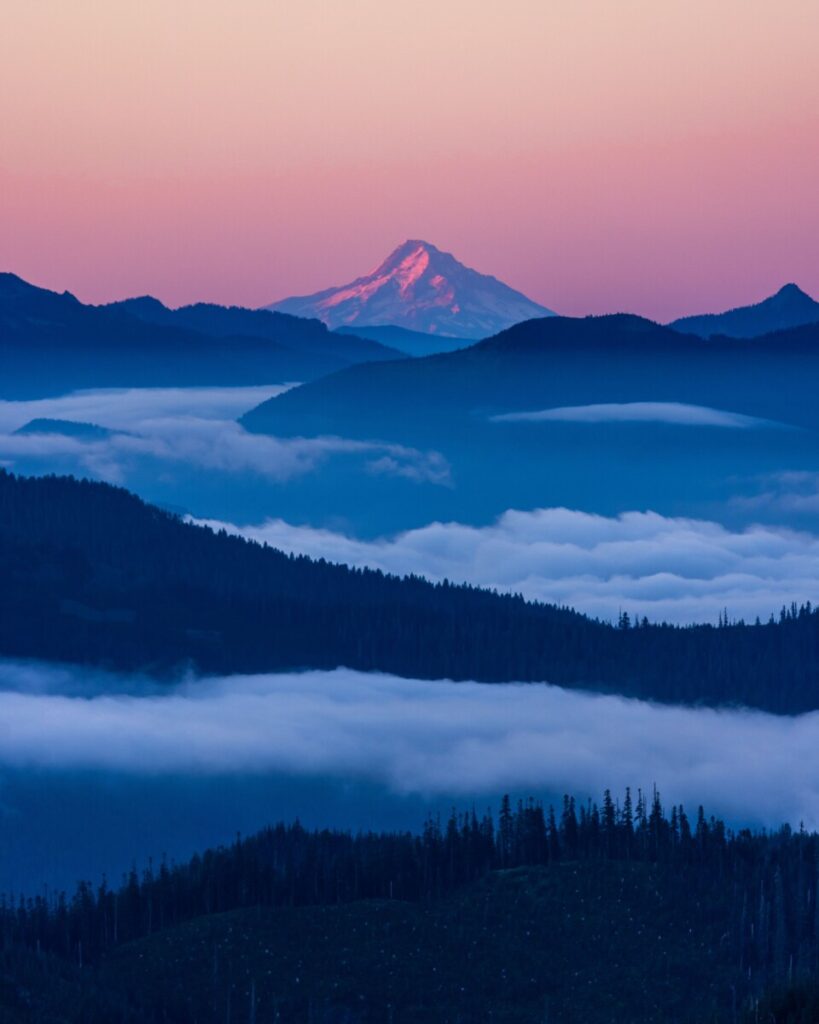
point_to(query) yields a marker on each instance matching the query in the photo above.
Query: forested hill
(94, 576)
(587, 915)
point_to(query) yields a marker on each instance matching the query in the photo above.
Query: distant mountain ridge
(51, 343)
(557, 361)
(459, 405)
(421, 288)
(789, 307)
(280, 329)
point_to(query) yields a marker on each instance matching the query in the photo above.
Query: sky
(656, 158)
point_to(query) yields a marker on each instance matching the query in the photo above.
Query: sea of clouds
(669, 569)
(413, 737)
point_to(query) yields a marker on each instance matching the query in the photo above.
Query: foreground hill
(599, 915)
(51, 343)
(94, 576)
(421, 288)
(789, 307)
(512, 948)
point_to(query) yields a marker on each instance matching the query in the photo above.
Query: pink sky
(658, 157)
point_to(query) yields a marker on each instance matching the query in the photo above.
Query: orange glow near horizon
(660, 158)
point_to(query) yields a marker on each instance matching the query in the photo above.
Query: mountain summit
(421, 288)
(789, 307)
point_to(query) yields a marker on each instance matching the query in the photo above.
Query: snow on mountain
(421, 288)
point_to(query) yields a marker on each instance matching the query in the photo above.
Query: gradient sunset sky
(656, 156)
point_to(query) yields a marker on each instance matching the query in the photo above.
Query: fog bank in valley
(462, 740)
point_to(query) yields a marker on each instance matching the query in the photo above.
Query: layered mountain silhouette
(558, 361)
(789, 307)
(421, 288)
(51, 343)
(497, 412)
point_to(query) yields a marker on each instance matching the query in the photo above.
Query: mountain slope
(51, 343)
(556, 362)
(789, 307)
(94, 576)
(279, 328)
(421, 288)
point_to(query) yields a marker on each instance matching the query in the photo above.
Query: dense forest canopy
(528, 908)
(92, 575)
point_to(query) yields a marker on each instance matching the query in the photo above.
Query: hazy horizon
(716, 307)
(589, 156)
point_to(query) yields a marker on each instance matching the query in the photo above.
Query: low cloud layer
(676, 413)
(429, 738)
(190, 426)
(669, 569)
(125, 408)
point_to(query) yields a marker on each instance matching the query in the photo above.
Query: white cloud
(672, 569)
(430, 467)
(790, 493)
(676, 413)
(189, 426)
(128, 408)
(429, 738)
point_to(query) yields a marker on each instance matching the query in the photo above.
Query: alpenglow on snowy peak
(421, 288)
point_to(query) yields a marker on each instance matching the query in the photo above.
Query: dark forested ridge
(92, 575)
(617, 912)
(51, 343)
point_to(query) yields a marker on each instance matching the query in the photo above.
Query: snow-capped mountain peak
(422, 288)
